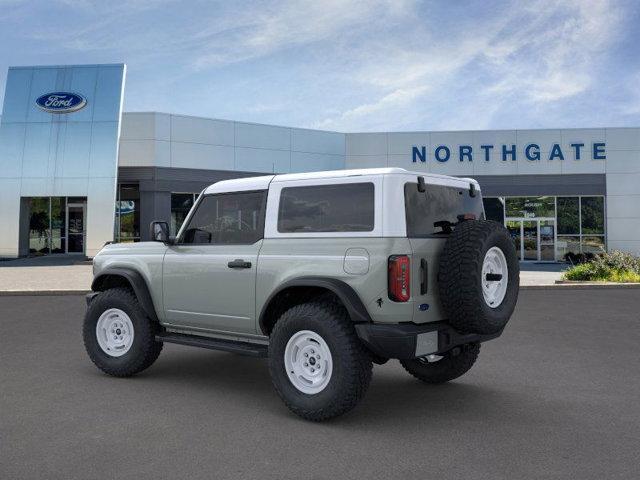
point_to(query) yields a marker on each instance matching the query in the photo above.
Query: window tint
(327, 208)
(229, 218)
(427, 211)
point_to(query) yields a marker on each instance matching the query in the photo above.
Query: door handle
(239, 263)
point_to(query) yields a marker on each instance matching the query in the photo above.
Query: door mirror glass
(159, 232)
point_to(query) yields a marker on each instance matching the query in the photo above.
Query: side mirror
(159, 231)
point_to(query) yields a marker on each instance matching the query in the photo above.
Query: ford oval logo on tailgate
(61, 102)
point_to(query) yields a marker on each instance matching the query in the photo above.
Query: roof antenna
(421, 185)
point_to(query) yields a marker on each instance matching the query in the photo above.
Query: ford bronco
(322, 273)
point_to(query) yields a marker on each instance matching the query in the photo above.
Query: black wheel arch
(120, 276)
(343, 291)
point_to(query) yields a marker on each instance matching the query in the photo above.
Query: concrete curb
(21, 293)
(580, 286)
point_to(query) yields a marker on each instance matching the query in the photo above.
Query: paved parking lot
(555, 397)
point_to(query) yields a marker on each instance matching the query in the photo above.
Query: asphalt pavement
(557, 396)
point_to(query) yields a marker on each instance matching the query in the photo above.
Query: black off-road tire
(453, 365)
(351, 362)
(144, 349)
(460, 277)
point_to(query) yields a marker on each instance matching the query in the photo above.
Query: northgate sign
(531, 152)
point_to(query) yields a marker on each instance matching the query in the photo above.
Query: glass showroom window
(592, 223)
(47, 225)
(127, 227)
(530, 207)
(39, 225)
(580, 225)
(181, 203)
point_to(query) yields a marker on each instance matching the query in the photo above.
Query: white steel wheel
(308, 361)
(114, 332)
(495, 277)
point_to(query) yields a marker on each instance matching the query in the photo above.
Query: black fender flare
(138, 285)
(347, 295)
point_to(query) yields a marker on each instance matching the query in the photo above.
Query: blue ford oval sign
(61, 102)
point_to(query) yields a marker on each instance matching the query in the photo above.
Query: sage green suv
(323, 273)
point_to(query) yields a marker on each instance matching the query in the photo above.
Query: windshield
(436, 210)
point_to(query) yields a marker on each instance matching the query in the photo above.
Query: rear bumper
(406, 341)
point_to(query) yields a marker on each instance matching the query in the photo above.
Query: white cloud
(350, 64)
(534, 55)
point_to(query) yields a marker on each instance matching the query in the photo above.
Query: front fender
(137, 282)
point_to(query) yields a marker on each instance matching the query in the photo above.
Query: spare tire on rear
(479, 277)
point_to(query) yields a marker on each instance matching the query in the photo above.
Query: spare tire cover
(479, 277)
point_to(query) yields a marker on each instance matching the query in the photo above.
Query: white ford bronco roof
(262, 182)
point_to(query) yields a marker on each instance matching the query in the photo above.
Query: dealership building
(76, 171)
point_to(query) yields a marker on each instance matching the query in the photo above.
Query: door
(75, 227)
(515, 230)
(209, 275)
(535, 240)
(547, 230)
(530, 240)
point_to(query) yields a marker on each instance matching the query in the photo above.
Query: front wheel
(318, 366)
(118, 335)
(440, 369)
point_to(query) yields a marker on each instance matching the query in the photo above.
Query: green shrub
(614, 266)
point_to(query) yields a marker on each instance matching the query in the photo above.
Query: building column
(154, 206)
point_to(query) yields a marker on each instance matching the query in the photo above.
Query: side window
(347, 207)
(227, 219)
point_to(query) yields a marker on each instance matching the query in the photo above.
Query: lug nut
(306, 364)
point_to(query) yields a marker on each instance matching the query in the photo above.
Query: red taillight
(399, 278)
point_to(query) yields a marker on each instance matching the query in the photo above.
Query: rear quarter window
(439, 203)
(346, 207)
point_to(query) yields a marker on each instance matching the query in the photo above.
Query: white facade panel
(366, 161)
(623, 206)
(400, 143)
(139, 126)
(201, 130)
(623, 161)
(623, 138)
(366, 144)
(623, 229)
(262, 136)
(199, 155)
(623, 184)
(312, 141)
(262, 160)
(313, 162)
(140, 153)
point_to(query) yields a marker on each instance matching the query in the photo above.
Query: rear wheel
(440, 369)
(318, 366)
(118, 335)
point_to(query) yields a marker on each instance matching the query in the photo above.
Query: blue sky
(376, 65)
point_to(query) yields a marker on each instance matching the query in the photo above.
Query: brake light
(399, 278)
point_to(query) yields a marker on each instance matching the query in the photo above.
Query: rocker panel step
(242, 348)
